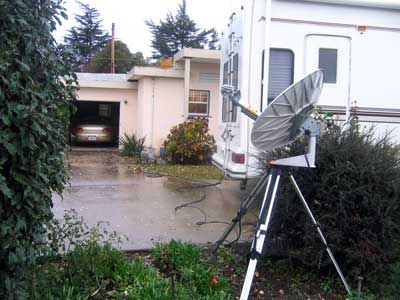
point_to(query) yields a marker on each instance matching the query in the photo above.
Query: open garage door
(96, 123)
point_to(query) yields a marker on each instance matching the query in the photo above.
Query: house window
(199, 102)
(281, 66)
(104, 110)
(328, 63)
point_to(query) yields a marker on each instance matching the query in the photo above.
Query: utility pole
(112, 49)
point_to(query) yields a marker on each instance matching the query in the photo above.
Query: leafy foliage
(131, 145)
(124, 59)
(178, 32)
(190, 143)
(100, 272)
(64, 235)
(87, 38)
(183, 262)
(391, 287)
(354, 193)
(36, 94)
(214, 43)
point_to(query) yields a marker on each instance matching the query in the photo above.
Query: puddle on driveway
(105, 187)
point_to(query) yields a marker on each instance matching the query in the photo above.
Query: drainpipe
(186, 89)
(153, 80)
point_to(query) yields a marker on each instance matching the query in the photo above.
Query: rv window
(281, 65)
(328, 63)
(199, 103)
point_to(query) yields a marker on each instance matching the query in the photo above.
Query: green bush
(354, 193)
(131, 145)
(189, 143)
(391, 286)
(36, 94)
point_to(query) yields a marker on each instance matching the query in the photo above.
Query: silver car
(94, 130)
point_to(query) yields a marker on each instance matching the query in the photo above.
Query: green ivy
(36, 92)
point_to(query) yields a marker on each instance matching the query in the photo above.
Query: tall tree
(214, 44)
(87, 37)
(175, 33)
(124, 59)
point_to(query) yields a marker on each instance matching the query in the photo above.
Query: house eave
(105, 81)
(138, 73)
(199, 55)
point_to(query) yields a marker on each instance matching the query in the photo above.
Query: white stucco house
(148, 101)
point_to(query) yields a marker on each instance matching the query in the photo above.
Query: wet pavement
(105, 187)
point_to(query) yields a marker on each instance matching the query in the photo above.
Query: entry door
(332, 54)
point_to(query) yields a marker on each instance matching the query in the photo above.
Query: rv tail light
(79, 130)
(238, 158)
(106, 130)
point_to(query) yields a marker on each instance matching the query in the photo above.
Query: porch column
(186, 89)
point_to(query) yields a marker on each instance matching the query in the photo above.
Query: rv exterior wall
(366, 67)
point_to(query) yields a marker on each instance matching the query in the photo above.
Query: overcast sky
(129, 17)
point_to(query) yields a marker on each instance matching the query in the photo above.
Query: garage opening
(95, 124)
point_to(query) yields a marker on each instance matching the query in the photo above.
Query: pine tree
(124, 59)
(214, 44)
(175, 33)
(87, 37)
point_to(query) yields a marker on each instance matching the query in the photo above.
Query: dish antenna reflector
(281, 122)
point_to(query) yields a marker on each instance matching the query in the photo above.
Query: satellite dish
(280, 123)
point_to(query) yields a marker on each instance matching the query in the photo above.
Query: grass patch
(187, 171)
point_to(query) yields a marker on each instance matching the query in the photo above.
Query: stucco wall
(160, 106)
(209, 85)
(126, 97)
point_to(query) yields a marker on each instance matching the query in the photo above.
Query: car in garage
(94, 130)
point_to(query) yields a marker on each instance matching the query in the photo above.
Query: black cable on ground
(203, 196)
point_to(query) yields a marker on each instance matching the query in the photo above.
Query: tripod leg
(261, 231)
(303, 200)
(243, 210)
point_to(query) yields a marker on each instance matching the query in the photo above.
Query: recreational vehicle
(269, 44)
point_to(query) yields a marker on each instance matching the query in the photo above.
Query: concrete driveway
(105, 187)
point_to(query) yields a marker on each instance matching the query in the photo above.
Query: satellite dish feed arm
(234, 96)
(311, 128)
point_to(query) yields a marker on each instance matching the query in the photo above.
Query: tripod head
(311, 128)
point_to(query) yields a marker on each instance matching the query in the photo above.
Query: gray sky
(129, 17)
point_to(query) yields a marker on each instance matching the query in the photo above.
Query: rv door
(332, 54)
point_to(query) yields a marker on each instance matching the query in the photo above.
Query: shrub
(64, 235)
(354, 193)
(131, 145)
(36, 94)
(190, 143)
